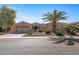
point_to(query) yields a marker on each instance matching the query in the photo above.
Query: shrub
(76, 29)
(72, 33)
(67, 28)
(59, 33)
(30, 33)
(40, 30)
(48, 32)
(71, 30)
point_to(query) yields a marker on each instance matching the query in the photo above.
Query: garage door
(22, 29)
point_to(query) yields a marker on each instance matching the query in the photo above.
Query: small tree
(71, 29)
(67, 28)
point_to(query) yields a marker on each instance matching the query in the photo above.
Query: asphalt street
(37, 46)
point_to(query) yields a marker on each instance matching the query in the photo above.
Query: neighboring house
(75, 24)
(27, 27)
(59, 27)
(37, 26)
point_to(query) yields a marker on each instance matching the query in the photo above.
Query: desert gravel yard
(37, 46)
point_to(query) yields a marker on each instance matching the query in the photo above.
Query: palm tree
(54, 17)
(7, 15)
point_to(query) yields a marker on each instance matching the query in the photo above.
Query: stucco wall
(29, 26)
(14, 28)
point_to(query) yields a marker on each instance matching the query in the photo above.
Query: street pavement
(35, 46)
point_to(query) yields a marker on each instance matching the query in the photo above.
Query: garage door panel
(22, 29)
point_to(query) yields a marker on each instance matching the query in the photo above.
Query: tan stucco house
(27, 27)
(21, 27)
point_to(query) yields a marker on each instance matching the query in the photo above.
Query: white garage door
(22, 29)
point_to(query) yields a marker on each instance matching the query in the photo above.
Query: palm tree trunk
(54, 27)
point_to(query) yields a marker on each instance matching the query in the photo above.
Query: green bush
(40, 30)
(48, 32)
(72, 33)
(30, 33)
(71, 30)
(67, 28)
(59, 33)
(76, 29)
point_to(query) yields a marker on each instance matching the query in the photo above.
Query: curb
(73, 37)
(52, 37)
(27, 37)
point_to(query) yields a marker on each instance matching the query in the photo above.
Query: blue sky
(34, 12)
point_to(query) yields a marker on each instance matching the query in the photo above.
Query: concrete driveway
(12, 35)
(35, 46)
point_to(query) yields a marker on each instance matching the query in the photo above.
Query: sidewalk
(41, 37)
(33, 37)
(62, 37)
(27, 37)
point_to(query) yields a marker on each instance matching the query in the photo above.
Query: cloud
(23, 16)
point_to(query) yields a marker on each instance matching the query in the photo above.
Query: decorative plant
(59, 33)
(71, 29)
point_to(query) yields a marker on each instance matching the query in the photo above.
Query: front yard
(2, 33)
